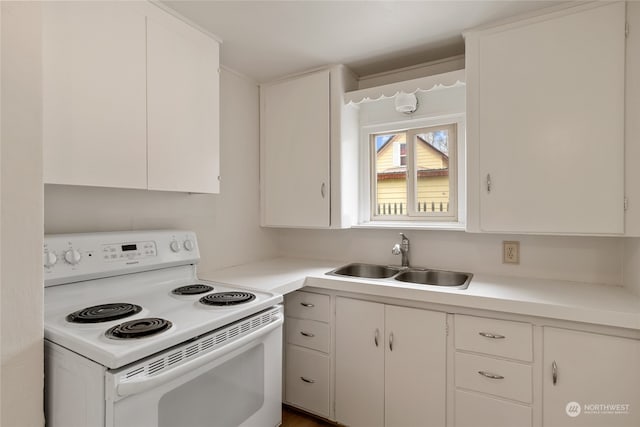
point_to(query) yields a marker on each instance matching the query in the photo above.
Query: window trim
(456, 215)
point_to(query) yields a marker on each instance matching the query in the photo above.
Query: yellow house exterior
(391, 174)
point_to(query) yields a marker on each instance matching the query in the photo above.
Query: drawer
(307, 380)
(307, 305)
(308, 333)
(478, 410)
(513, 340)
(515, 382)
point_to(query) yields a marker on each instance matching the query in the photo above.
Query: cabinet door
(415, 367)
(359, 362)
(183, 106)
(632, 124)
(550, 120)
(93, 94)
(593, 371)
(295, 152)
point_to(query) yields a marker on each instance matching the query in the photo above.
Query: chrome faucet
(402, 248)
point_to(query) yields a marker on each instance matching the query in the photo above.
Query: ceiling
(268, 39)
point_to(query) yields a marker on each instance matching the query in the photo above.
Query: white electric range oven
(134, 338)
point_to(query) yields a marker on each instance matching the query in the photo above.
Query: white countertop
(580, 302)
(279, 275)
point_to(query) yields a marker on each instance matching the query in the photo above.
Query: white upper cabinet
(130, 98)
(183, 107)
(632, 124)
(545, 121)
(94, 97)
(308, 151)
(295, 151)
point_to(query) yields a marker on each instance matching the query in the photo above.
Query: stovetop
(178, 318)
(153, 292)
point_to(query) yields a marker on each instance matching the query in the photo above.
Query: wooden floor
(293, 418)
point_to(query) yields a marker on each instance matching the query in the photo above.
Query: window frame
(457, 173)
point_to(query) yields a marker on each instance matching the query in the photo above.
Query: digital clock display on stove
(129, 247)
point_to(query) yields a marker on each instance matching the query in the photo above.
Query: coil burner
(104, 313)
(138, 328)
(221, 299)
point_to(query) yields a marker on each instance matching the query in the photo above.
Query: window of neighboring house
(414, 174)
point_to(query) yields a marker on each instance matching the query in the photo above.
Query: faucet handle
(396, 249)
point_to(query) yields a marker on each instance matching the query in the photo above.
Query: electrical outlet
(511, 252)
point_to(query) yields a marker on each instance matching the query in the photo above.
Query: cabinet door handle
(307, 304)
(307, 380)
(490, 335)
(488, 183)
(322, 189)
(307, 334)
(376, 336)
(554, 372)
(490, 375)
(391, 341)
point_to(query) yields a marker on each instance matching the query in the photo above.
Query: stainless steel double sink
(415, 275)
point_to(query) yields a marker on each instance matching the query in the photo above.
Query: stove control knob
(49, 259)
(72, 256)
(175, 246)
(188, 245)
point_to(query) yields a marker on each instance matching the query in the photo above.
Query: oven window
(227, 395)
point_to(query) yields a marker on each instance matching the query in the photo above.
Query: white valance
(425, 84)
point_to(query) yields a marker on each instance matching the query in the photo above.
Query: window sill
(412, 225)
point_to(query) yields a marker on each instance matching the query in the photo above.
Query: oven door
(237, 384)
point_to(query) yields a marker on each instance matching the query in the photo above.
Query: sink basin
(419, 276)
(436, 278)
(369, 271)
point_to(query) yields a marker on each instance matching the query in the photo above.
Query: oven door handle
(128, 388)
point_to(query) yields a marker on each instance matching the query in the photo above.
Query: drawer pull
(492, 336)
(376, 336)
(391, 341)
(554, 372)
(490, 375)
(307, 304)
(307, 380)
(307, 334)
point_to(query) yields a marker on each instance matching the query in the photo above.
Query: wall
(583, 259)
(631, 264)
(226, 223)
(21, 291)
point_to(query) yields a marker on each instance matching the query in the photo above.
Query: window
(414, 174)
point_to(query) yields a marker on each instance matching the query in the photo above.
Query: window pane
(432, 168)
(391, 174)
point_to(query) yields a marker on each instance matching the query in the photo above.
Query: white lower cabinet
(390, 365)
(370, 364)
(493, 372)
(308, 353)
(479, 410)
(307, 380)
(590, 379)
(502, 378)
